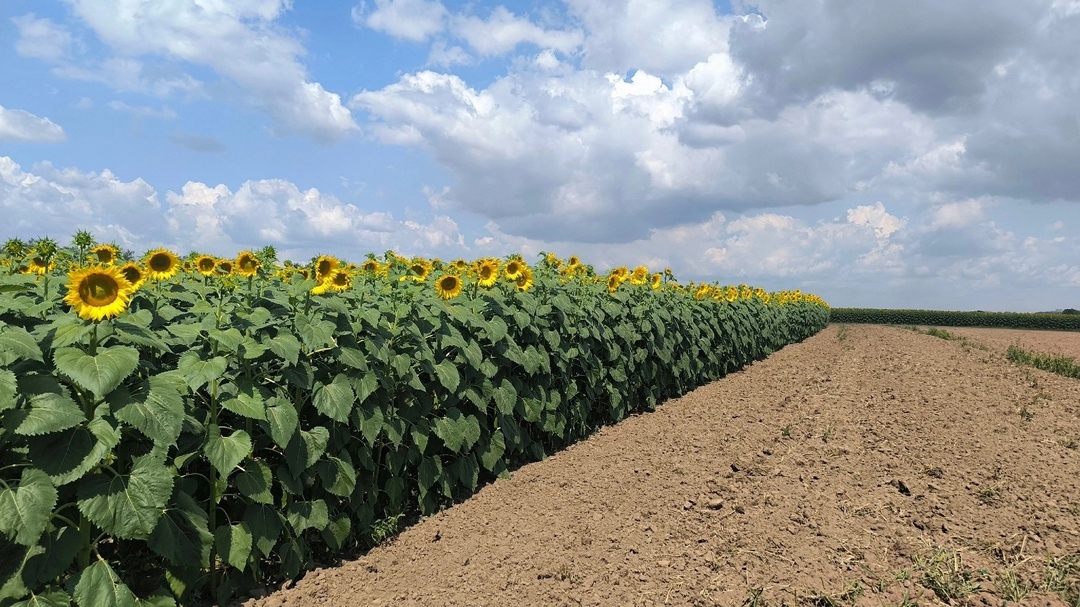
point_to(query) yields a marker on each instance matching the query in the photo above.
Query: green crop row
(934, 318)
(221, 435)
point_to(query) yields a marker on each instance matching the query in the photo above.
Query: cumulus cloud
(301, 223)
(42, 38)
(415, 20)
(20, 125)
(503, 31)
(238, 40)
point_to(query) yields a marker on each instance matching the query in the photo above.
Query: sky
(916, 154)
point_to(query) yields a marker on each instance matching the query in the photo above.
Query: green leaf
(99, 586)
(16, 343)
(506, 397)
(154, 407)
(8, 389)
(353, 358)
(246, 404)
(335, 400)
(337, 531)
(68, 455)
(229, 339)
(50, 597)
(127, 506)
(48, 413)
(100, 373)
(139, 335)
(314, 334)
(366, 385)
(466, 470)
(201, 372)
(182, 535)
(234, 544)
(283, 420)
(25, 510)
(429, 471)
(250, 349)
(51, 557)
(306, 448)
(264, 522)
(226, 452)
(496, 329)
(307, 515)
(286, 346)
(371, 421)
(338, 476)
(255, 482)
(448, 375)
(493, 451)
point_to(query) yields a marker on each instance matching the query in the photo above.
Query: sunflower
(513, 269)
(338, 281)
(421, 269)
(370, 267)
(573, 261)
(225, 267)
(488, 273)
(613, 283)
(106, 254)
(98, 292)
(639, 276)
(657, 281)
(162, 264)
(448, 286)
(133, 274)
(247, 265)
(524, 279)
(38, 266)
(205, 265)
(325, 266)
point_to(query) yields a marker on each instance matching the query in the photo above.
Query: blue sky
(911, 154)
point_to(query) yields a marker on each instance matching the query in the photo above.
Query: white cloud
(415, 20)
(42, 38)
(20, 125)
(503, 31)
(143, 111)
(236, 39)
(957, 214)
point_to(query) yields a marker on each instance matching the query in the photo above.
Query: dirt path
(866, 466)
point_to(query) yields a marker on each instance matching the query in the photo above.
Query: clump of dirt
(867, 465)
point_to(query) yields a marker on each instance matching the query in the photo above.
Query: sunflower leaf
(66, 456)
(48, 413)
(226, 452)
(99, 586)
(154, 407)
(335, 400)
(127, 506)
(16, 343)
(448, 375)
(99, 373)
(201, 372)
(25, 510)
(234, 544)
(255, 482)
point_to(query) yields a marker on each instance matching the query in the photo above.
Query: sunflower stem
(211, 511)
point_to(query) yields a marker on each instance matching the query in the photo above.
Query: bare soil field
(1045, 342)
(868, 465)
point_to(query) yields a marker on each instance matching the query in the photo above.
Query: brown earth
(867, 465)
(1045, 342)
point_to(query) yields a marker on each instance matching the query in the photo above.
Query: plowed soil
(867, 465)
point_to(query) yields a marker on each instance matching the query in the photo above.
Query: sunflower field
(183, 429)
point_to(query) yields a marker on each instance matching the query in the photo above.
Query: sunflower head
(134, 274)
(513, 269)
(162, 264)
(420, 268)
(488, 273)
(370, 267)
(613, 282)
(639, 276)
(106, 254)
(524, 279)
(98, 292)
(38, 265)
(448, 286)
(325, 266)
(205, 265)
(340, 280)
(247, 265)
(225, 267)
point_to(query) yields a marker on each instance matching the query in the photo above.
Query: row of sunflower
(233, 421)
